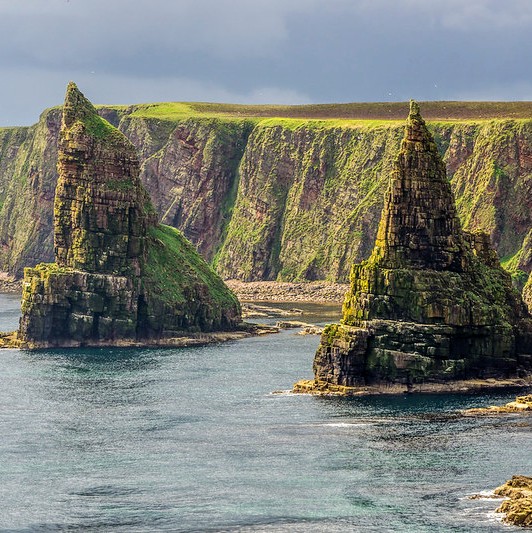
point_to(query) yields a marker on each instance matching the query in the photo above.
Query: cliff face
(317, 194)
(192, 179)
(29, 177)
(308, 201)
(277, 198)
(119, 275)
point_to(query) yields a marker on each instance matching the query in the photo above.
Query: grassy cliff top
(378, 111)
(369, 114)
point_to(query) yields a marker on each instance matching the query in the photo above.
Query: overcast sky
(262, 51)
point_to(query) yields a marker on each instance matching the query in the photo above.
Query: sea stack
(432, 303)
(119, 276)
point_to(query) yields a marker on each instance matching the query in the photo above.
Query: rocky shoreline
(322, 388)
(267, 291)
(11, 286)
(280, 291)
(11, 340)
(522, 404)
(518, 506)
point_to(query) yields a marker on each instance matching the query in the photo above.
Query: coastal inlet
(191, 439)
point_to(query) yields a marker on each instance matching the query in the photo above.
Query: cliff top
(432, 111)
(366, 113)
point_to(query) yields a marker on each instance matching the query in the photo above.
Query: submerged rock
(432, 303)
(118, 274)
(518, 507)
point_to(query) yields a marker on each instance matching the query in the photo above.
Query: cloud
(459, 15)
(513, 90)
(32, 97)
(487, 15)
(70, 32)
(289, 51)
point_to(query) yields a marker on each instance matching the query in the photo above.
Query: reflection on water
(193, 440)
(9, 311)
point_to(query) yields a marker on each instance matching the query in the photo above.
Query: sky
(261, 51)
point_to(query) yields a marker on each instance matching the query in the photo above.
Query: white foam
(497, 517)
(283, 393)
(345, 424)
(484, 495)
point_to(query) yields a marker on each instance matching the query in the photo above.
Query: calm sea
(193, 439)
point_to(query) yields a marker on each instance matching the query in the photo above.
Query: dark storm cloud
(291, 51)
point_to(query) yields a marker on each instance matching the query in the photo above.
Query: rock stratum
(118, 275)
(432, 302)
(285, 194)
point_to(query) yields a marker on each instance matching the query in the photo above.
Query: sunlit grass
(370, 114)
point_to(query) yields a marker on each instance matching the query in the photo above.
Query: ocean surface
(194, 439)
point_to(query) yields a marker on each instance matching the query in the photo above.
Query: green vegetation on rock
(119, 276)
(173, 265)
(432, 302)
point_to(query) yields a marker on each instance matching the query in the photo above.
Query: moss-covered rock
(118, 274)
(527, 294)
(432, 302)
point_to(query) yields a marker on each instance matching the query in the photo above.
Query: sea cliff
(282, 193)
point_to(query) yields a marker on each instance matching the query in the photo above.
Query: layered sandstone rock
(522, 404)
(293, 201)
(118, 274)
(432, 302)
(527, 294)
(518, 506)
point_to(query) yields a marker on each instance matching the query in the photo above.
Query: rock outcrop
(118, 276)
(518, 506)
(432, 302)
(521, 405)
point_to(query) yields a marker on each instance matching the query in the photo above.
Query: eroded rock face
(518, 508)
(317, 192)
(527, 294)
(118, 274)
(432, 302)
(101, 210)
(419, 227)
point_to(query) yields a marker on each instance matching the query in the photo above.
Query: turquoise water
(194, 440)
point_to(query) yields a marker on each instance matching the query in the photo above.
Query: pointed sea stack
(432, 304)
(119, 277)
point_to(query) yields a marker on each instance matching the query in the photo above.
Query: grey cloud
(115, 89)
(339, 50)
(71, 30)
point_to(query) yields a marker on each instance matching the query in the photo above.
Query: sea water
(195, 439)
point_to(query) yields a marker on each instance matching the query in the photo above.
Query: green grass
(123, 185)
(99, 127)
(510, 263)
(376, 111)
(173, 264)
